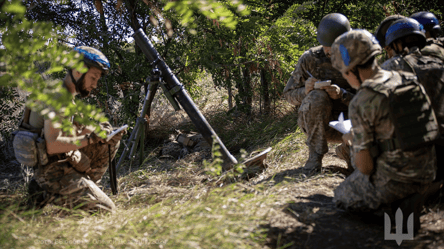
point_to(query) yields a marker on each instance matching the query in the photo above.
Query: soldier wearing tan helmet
(385, 172)
(319, 106)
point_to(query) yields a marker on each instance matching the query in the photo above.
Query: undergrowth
(185, 203)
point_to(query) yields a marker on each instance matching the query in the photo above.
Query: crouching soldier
(319, 106)
(74, 164)
(392, 164)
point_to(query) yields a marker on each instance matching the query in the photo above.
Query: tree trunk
(247, 85)
(265, 92)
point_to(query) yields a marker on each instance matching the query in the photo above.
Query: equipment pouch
(78, 160)
(25, 148)
(41, 151)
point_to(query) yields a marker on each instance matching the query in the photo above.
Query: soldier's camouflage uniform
(434, 47)
(433, 87)
(317, 109)
(369, 114)
(70, 179)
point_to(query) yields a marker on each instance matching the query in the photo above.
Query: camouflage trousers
(363, 193)
(314, 115)
(67, 186)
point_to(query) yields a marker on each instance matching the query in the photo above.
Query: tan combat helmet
(353, 48)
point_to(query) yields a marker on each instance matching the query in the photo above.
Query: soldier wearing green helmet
(385, 173)
(74, 163)
(319, 106)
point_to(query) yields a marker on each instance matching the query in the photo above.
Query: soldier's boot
(36, 195)
(314, 162)
(343, 152)
(411, 204)
(434, 192)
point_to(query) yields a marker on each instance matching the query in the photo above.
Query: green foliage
(27, 45)
(216, 10)
(214, 168)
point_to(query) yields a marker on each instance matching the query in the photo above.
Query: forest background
(248, 48)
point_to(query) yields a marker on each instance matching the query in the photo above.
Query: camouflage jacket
(319, 65)
(397, 63)
(434, 47)
(370, 117)
(429, 75)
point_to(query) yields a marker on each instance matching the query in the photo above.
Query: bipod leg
(142, 143)
(132, 141)
(112, 172)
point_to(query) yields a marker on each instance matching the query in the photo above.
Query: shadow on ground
(314, 222)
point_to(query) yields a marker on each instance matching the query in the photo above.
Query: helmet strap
(356, 73)
(77, 82)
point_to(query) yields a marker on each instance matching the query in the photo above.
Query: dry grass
(174, 204)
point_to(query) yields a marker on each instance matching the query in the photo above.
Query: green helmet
(332, 26)
(382, 28)
(353, 48)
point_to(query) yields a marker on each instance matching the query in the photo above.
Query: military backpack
(430, 73)
(410, 111)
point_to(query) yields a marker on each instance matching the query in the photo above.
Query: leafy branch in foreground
(27, 46)
(216, 10)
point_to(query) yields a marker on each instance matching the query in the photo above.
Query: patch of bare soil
(310, 219)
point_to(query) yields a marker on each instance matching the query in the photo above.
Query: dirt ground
(311, 220)
(307, 218)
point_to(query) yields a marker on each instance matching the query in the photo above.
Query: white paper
(343, 126)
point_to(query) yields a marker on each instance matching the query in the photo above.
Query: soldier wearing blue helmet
(435, 43)
(430, 23)
(75, 162)
(407, 38)
(404, 36)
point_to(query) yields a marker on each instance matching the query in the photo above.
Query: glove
(93, 138)
(333, 91)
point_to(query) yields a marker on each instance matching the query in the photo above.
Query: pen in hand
(309, 74)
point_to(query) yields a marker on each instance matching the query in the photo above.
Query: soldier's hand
(106, 126)
(118, 136)
(347, 138)
(309, 84)
(333, 91)
(94, 138)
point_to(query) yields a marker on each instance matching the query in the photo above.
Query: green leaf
(15, 8)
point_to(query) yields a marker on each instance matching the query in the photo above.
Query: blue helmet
(428, 20)
(94, 58)
(383, 26)
(405, 27)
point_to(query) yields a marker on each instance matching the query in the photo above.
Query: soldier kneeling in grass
(68, 173)
(393, 167)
